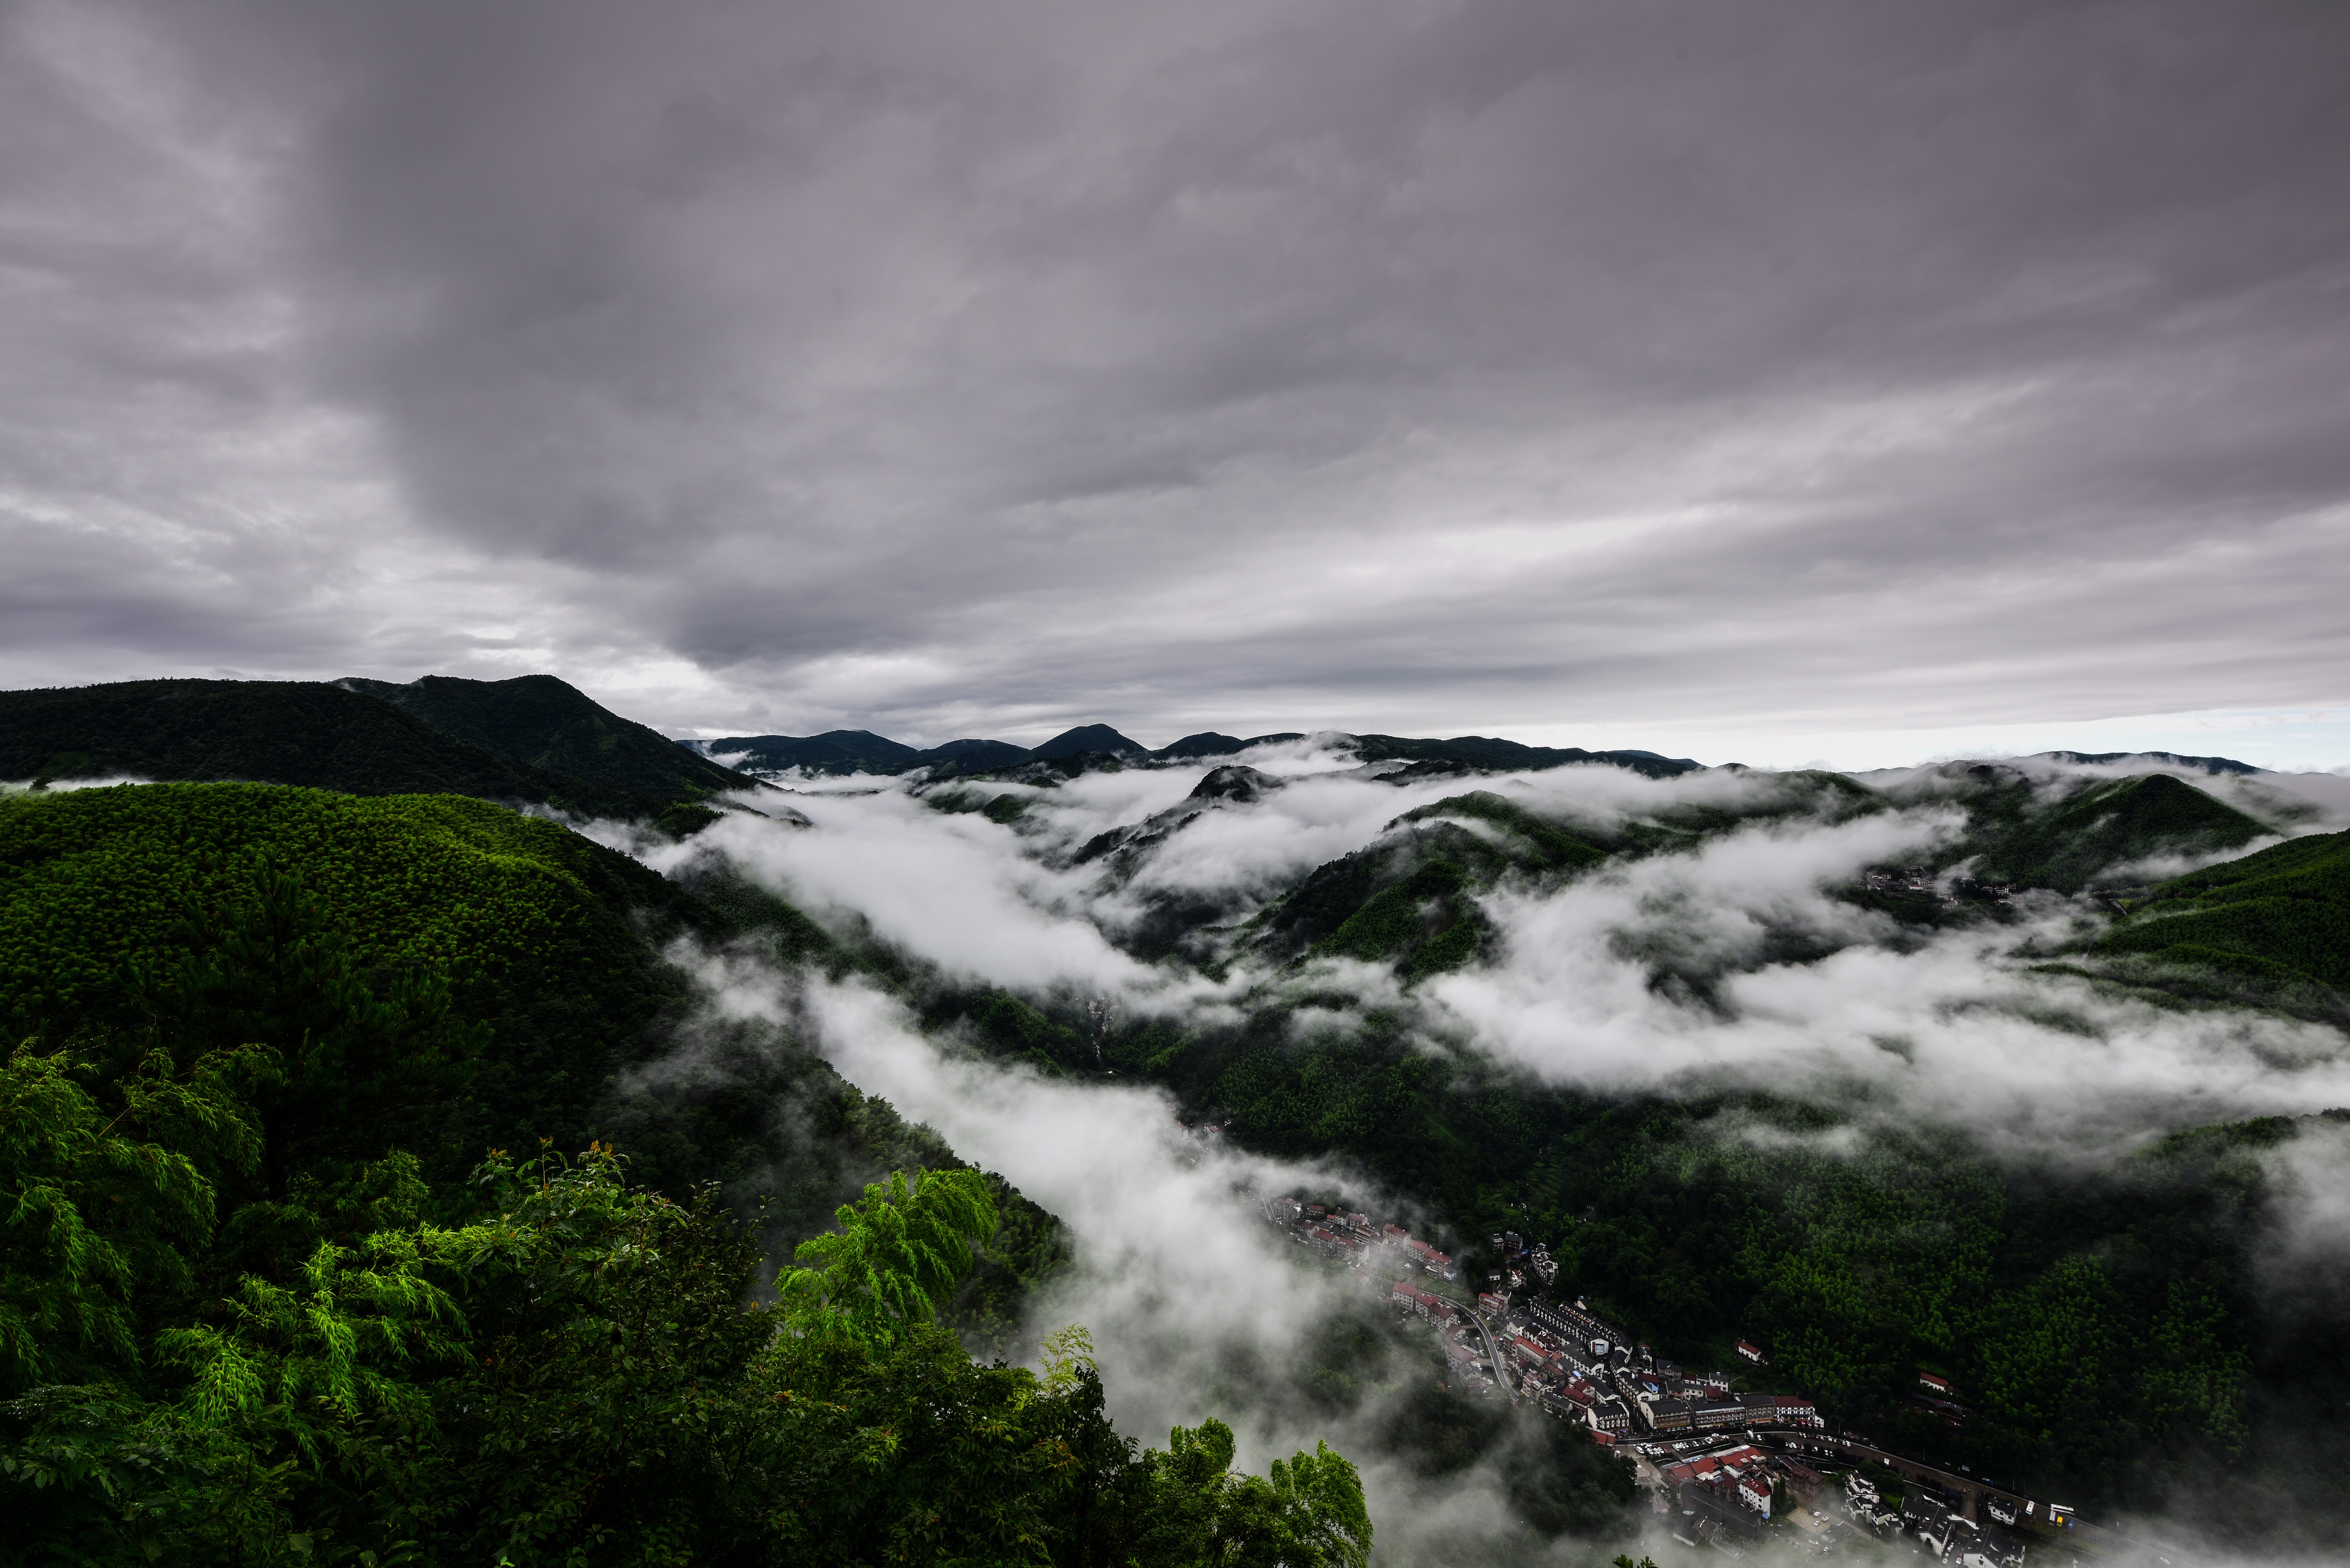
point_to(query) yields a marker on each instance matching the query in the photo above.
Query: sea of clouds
(1965, 1026)
(1177, 1272)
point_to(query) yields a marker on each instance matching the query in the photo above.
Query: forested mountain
(2103, 833)
(1086, 738)
(533, 739)
(2172, 759)
(833, 752)
(2276, 924)
(860, 750)
(297, 733)
(264, 1298)
(539, 720)
(1485, 753)
(1209, 744)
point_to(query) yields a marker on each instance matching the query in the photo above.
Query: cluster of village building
(1944, 1529)
(1353, 1238)
(1714, 1484)
(1579, 1367)
(1919, 882)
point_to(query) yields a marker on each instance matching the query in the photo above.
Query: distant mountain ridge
(2205, 765)
(835, 751)
(841, 752)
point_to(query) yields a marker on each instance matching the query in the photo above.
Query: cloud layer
(1734, 965)
(1180, 1279)
(1565, 369)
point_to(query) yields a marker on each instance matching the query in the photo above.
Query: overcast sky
(1866, 382)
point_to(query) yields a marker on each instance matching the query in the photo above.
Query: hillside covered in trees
(265, 1296)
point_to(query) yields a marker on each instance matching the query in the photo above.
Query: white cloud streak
(1795, 989)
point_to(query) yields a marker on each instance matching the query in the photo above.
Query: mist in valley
(1733, 962)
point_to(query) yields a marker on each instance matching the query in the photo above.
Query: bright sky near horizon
(1823, 382)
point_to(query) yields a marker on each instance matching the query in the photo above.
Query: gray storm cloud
(1573, 368)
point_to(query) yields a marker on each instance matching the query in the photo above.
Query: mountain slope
(1209, 744)
(2103, 830)
(2207, 764)
(544, 723)
(1085, 738)
(969, 756)
(1409, 900)
(833, 752)
(532, 923)
(2280, 915)
(552, 945)
(307, 734)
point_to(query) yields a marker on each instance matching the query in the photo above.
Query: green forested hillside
(2103, 828)
(2108, 1327)
(1409, 898)
(270, 1292)
(529, 924)
(546, 943)
(2281, 917)
(273, 732)
(545, 723)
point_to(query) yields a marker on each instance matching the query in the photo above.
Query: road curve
(1494, 1351)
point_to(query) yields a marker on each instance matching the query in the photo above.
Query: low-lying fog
(1179, 1276)
(1957, 1026)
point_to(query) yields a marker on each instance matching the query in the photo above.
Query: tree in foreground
(582, 1376)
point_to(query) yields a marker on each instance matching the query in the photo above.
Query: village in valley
(1724, 1466)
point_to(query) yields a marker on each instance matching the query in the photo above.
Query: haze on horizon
(1823, 380)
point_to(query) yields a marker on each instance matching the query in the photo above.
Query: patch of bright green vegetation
(1411, 900)
(99, 879)
(1424, 924)
(2280, 918)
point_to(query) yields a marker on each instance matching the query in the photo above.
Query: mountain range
(841, 752)
(537, 740)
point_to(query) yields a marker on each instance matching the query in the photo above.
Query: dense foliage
(579, 1373)
(2278, 920)
(2108, 1329)
(250, 1311)
(2095, 835)
(530, 954)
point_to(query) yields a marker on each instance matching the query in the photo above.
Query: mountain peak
(1084, 738)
